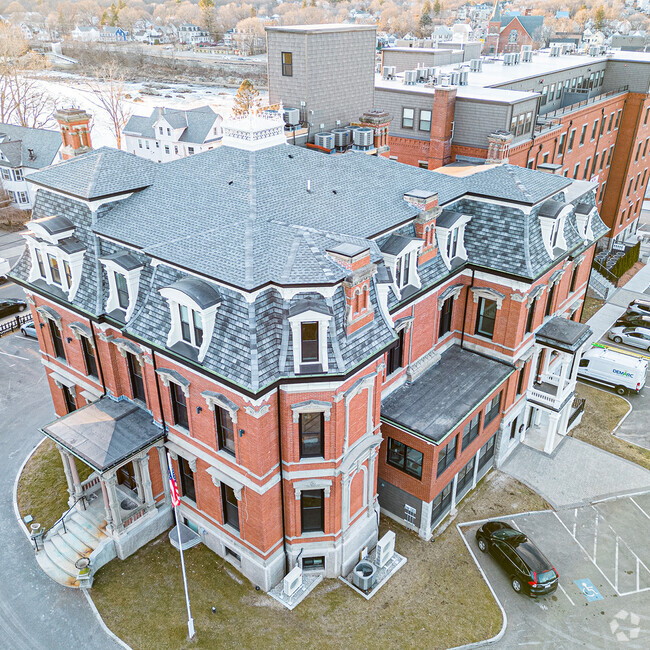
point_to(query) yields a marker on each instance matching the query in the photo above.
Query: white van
(622, 371)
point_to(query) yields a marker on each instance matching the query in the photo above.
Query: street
(35, 612)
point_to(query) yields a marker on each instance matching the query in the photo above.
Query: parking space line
(595, 537)
(639, 507)
(15, 356)
(616, 563)
(586, 553)
(565, 593)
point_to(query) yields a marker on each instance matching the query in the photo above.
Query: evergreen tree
(437, 8)
(599, 18)
(247, 99)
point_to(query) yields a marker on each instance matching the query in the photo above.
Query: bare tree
(109, 94)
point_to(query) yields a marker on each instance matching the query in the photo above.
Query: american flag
(176, 499)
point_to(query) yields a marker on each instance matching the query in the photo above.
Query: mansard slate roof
(16, 141)
(246, 221)
(197, 123)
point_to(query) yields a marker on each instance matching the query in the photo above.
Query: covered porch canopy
(443, 396)
(105, 434)
(563, 334)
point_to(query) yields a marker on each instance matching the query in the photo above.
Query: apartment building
(304, 369)
(169, 134)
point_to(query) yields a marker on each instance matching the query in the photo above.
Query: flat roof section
(438, 401)
(325, 28)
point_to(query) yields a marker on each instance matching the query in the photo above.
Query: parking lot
(602, 555)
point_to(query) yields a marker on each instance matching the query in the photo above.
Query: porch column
(75, 476)
(566, 362)
(532, 376)
(164, 471)
(114, 502)
(138, 479)
(107, 505)
(68, 473)
(553, 421)
(145, 478)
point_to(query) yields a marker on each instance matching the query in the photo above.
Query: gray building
(326, 71)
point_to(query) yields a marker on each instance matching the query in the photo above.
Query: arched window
(364, 299)
(356, 303)
(512, 38)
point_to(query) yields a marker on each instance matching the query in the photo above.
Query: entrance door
(126, 477)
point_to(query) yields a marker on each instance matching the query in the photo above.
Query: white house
(22, 152)
(85, 33)
(192, 34)
(168, 134)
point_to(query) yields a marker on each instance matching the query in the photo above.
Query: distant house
(189, 34)
(168, 134)
(85, 33)
(508, 32)
(23, 151)
(114, 35)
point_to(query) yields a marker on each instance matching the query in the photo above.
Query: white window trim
(584, 223)
(217, 399)
(442, 235)
(488, 294)
(312, 484)
(43, 234)
(551, 226)
(323, 321)
(311, 406)
(132, 278)
(174, 298)
(74, 260)
(413, 249)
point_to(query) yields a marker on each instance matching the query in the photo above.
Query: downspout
(99, 360)
(462, 332)
(284, 537)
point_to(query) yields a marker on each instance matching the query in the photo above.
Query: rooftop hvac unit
(410, 77)
(476, 65)
(556, 50)
(422, 74)
(363, 576)
(526, 48)
(464, 77)
(292, 581)
(432, 72)
(444, 80)
(363, 137)
(454, 78)
(292, 116)
(508, 59)
(526, 56)
(388, 72)
(385, 549)
(516, 58)
(341, 138)
(324, 139)
(594, 50)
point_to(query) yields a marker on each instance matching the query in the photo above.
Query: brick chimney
(356, 285)
(442, 126)
(498, 148)
(75, 131)
(425, 222)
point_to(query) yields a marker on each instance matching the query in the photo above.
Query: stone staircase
(85, 530)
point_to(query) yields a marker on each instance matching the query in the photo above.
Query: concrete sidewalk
(602, 321)
(576, 473)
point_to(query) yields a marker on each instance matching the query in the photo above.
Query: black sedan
(10, 306)
(632, 319)
(529, 570)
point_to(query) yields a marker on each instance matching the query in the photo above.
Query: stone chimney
(498, 148)
(75, 132)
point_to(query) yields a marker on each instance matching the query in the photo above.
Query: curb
(499, 635)
(25, 530)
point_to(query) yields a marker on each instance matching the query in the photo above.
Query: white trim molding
(311, 406)
(312, 484)
(132, 278)
(488, 294)
(167, 375)
(217, 399)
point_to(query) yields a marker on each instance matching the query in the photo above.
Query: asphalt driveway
(602, 556)
(35, 611)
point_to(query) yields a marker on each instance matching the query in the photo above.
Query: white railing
(541, 396)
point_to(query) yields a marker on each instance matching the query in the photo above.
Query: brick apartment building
(578, 116)
(312, 338)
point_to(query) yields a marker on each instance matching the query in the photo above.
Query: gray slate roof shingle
(197, 122)
(18, 140)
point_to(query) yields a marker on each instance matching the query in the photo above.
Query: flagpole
(190, 620)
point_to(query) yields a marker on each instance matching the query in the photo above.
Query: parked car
(529, 570)
(638, 337)
(10, 306)
(639, 307)
(29, 329)
(632, 319)
(4, 269)
(623, 372)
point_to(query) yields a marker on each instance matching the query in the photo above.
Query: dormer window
(450, 231)
(123, 270)
(552, 218)
(309, 320)
(57, 256)
(193, 305)
(399, 252)
(584, 219)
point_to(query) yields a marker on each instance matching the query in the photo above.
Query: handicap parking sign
(588, 590)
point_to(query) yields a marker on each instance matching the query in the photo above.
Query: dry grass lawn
(603, 411)
(592, 305)
(42, 488)
(437, 600)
